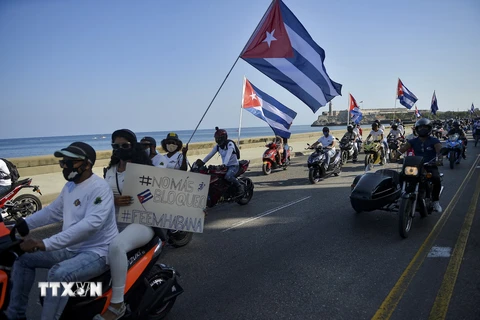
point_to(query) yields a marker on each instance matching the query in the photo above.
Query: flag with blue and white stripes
(406, 97)
(144, 196)
(283, 50)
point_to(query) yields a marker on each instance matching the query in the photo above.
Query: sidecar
(378, 190)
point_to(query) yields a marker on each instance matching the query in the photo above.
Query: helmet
(220, 136)
(394, 126)
(374, 125)
(377, 121)
(423, 132)
(455, 124)
(350, 128)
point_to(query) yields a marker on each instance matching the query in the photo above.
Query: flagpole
(396, 98)
(348, 109)
(241, 112)
(223, 82)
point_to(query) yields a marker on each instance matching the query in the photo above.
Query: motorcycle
(316, 164)
(220, 189)
(416, 192)
(347, 150)
(454, 150)
(373, 154)
(151, 290)
(270, 158)
(476, 135)
(406, 192)
(23, 205)
(438, 132)
(359, 144)
(393, 146)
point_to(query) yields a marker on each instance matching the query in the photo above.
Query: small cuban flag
(417, 113)
(355, 112)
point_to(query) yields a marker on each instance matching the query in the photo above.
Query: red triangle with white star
(250, 98)
(271, 39)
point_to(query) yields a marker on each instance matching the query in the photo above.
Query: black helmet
(394, 126)
(350, 128)
(220, 136)
(423, 132)
(455, 124)
(374, 125)
(377, 121)
(326, 129)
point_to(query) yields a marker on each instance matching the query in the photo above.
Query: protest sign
(165, 198)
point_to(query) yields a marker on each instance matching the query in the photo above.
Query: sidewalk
(52, 183)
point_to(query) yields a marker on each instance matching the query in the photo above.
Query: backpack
(14, 175)
(237, 151)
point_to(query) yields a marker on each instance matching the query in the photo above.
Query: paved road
(298, 251)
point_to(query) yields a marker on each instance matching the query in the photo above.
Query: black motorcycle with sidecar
(405, 192)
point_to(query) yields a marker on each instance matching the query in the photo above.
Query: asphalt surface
(299, 251)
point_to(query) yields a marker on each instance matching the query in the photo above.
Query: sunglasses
(68, 163)
(117, 146)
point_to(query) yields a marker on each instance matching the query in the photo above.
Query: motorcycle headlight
(410, 171)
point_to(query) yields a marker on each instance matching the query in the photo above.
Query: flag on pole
(262, 106)
(407, 98)
(282, 49)
(417, 113)
(434, 106)
(472, 109)
(355, 113)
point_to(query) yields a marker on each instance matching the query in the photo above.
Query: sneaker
(437, 207)
(457, 162)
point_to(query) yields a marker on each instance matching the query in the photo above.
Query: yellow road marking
(388, 306)
(440, 306)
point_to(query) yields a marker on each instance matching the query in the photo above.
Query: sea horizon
(39, 146)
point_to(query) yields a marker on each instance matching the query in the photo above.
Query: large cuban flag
(355, 112)
(407, 98)
(262, 106)
(283, 50)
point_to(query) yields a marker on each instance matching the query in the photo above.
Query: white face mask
(147, 151)
(172, 147)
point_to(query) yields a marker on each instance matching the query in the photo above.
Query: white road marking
(266, 213)
(440, 252)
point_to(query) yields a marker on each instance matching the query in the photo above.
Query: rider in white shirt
(395, 132)
(327, 141)
(377, 135)
(150, 146)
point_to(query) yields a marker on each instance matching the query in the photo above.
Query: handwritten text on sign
(165, 198)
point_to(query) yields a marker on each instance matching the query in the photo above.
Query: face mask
(71, 174)
(147, 151)
(423, 132)
(325, 134)
(124, 154)
(172, 147)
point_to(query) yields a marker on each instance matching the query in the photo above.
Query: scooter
(347, 150)
(150, 292)
(270, 158)
(317, 169)
(21, 206)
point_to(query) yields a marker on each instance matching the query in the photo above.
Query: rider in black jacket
(457, 130)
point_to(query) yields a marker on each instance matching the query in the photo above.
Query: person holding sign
(132, 235)
(175, 159)
(228, 150)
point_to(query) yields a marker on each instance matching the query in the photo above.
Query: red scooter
(220, 189)
(21, 206)
(151, 288)
(270, 158)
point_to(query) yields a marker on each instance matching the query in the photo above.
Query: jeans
(4, 189)
(437, 183)
(330, 153)
(64, 265)
(230, 175)
(133, 236)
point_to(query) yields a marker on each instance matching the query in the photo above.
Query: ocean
(25, 147)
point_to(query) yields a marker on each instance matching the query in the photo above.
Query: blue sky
(81, 67)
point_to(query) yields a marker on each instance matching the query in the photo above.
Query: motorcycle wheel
(248, 192)
(156, 278)
(267, 168)
(344, 157)
(476, 139)
(451, 158)
(180, 238)
(27, 204)
(313, 175)
(368, 160)
(405, 217)
(287, 163)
